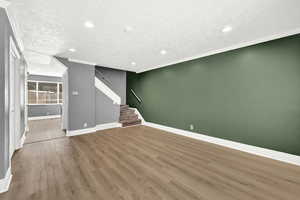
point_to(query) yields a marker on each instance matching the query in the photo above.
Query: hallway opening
(42, 130)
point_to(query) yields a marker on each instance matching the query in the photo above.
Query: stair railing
(107, 91)
(136, 96)
(103, 77)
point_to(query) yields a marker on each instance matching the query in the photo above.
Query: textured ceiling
(39, 64)
(137, 30)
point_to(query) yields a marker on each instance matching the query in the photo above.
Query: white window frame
(37, 89)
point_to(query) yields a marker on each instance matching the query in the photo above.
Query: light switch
(75, 93)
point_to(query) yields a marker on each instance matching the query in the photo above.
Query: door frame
(13, 139)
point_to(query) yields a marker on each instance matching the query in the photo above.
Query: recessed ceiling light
(227, 29)
(72, 50)
(163, 52)
(133, 64)
(89, 24)
(127, 29)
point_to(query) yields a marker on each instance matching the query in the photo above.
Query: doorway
(14, 109)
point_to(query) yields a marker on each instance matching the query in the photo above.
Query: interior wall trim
(108, 126)
(136, 111)
(22, 141)
(107, 91)
(45, 117)
(5, 182)
(81, 61)
(233, 47)
(93, 129)
(268, 153)
(81, 131)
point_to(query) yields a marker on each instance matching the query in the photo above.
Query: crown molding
(4, 4)
(95, 64)
(81, 61)
(233, 47)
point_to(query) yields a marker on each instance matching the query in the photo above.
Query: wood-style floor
(145, 163)
(41, 130)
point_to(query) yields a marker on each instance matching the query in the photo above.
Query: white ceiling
(137, 30)
(39, 64)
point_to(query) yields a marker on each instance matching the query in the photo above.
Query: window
(32, 93)
(47, 93)
(44, 92)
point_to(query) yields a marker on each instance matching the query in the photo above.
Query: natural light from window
(43, 93)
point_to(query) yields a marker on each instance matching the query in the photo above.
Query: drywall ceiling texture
(137, 30)
(43, 65)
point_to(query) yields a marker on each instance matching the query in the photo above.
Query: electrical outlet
(191, 126)
(85, 124)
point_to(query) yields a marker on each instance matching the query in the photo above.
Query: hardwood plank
(46, 129)
(140, 162)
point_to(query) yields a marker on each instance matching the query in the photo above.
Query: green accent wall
(249, 95)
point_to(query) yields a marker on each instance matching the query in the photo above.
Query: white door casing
(13, 103)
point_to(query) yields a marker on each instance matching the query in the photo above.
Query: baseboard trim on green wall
(276, 155)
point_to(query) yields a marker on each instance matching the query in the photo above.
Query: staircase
(128, 116)
(100, 85)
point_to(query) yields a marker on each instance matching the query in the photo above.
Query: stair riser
(125, 108)
(131, 124)
(128, 120)
(128, 117)
(129, 112)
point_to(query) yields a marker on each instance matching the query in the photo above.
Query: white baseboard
(22, 140)
(94, 129)
(139, 115)
(81, 131)
(268, 153)
(5, 182)
(276, 155)
(108, 126)
(45, 117)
